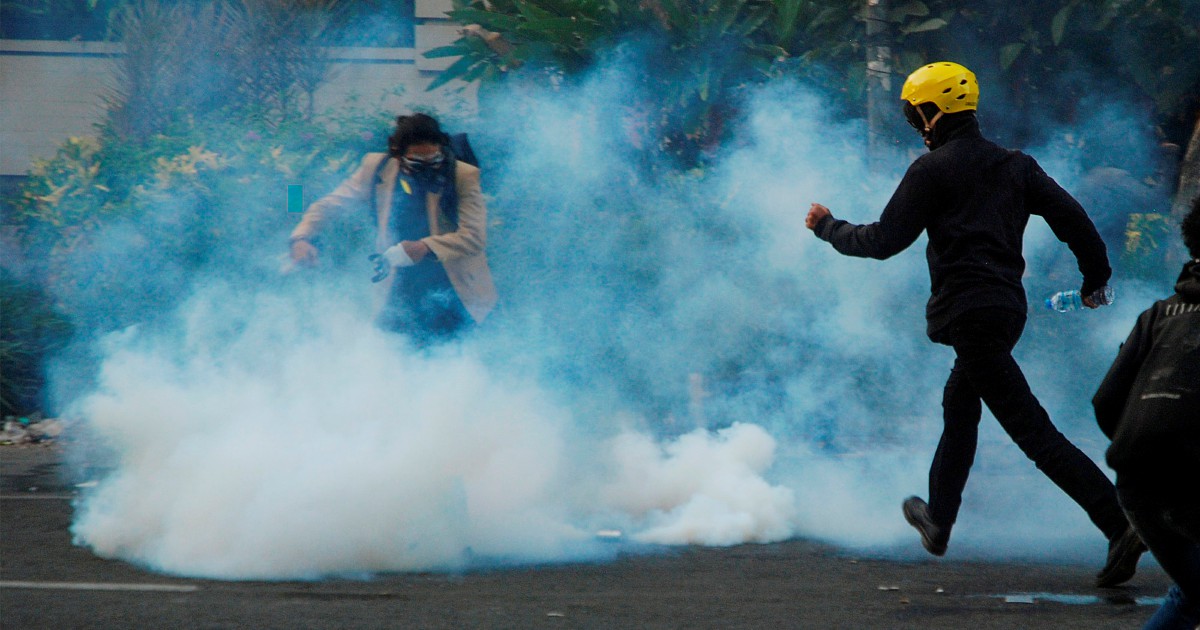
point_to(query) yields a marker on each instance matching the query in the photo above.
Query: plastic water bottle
(1064, 301)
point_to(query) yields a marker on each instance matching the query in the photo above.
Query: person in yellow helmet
(974, 200)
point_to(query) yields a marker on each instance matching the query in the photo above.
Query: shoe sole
(1123, 569)
(912, 518)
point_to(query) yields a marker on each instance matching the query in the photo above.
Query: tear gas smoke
(270, 441)
(677, 357)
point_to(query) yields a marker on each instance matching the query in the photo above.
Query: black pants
(984, 369)
(1164, 507)
(424, 305)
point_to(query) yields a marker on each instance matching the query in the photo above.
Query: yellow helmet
(948, 85)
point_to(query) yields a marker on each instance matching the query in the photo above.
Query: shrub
(33, 329)
(95, 215)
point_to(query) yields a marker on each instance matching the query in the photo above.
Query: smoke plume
(677, 358)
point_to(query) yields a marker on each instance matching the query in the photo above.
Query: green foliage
(210, 122)
(171, 198)
(1103, 42)
(33, 329)
(713, 49)
(697, 57)
(256, 58)
(185, 161)
(1147, 240)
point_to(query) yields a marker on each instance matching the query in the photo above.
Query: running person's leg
(983, 341)
(961, 411)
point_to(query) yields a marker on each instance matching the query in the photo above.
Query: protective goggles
(423, 162)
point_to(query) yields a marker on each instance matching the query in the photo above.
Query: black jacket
(1149, 403)
(974, 198)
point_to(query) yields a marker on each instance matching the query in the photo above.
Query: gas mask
(424, 165)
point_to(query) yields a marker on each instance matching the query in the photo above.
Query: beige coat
(460, 248)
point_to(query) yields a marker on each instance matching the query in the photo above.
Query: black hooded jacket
(1149, 403)
(974, 198)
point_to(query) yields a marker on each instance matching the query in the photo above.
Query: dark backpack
(462, 149)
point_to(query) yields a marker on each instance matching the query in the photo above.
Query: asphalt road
(46, 582)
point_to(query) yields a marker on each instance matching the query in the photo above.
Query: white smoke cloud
(277, 452)
(702, 488)
(273, 452)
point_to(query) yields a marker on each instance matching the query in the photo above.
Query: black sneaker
(933, 538)
(1123, 554)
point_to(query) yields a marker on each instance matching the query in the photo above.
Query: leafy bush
(210, 122)
(1148, 237)
(253, 58)
(33, 329)
(99, 211)
(701, 54)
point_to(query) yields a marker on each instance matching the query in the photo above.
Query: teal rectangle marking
(295, 198)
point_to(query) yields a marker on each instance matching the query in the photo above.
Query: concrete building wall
(51, 90)
(48, 92)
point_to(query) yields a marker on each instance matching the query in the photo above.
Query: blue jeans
(424, 305)
(1175, 614)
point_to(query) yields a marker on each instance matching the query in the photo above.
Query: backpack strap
(374, 203)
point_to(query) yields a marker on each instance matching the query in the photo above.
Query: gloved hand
(397, 256)
(394, 256)
(382, 268)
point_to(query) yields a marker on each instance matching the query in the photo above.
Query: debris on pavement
(26, 430)
(13, 433)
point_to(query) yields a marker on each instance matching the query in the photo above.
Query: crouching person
(1149, 406)
(431, 226)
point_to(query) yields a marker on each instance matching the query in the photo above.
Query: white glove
(397, 256)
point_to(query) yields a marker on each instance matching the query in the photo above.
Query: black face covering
(914, 117)
(947, 127)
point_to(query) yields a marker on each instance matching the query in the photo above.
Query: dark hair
(1191, 229)
(415, 129)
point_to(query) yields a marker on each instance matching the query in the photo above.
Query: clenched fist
(816, 212)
